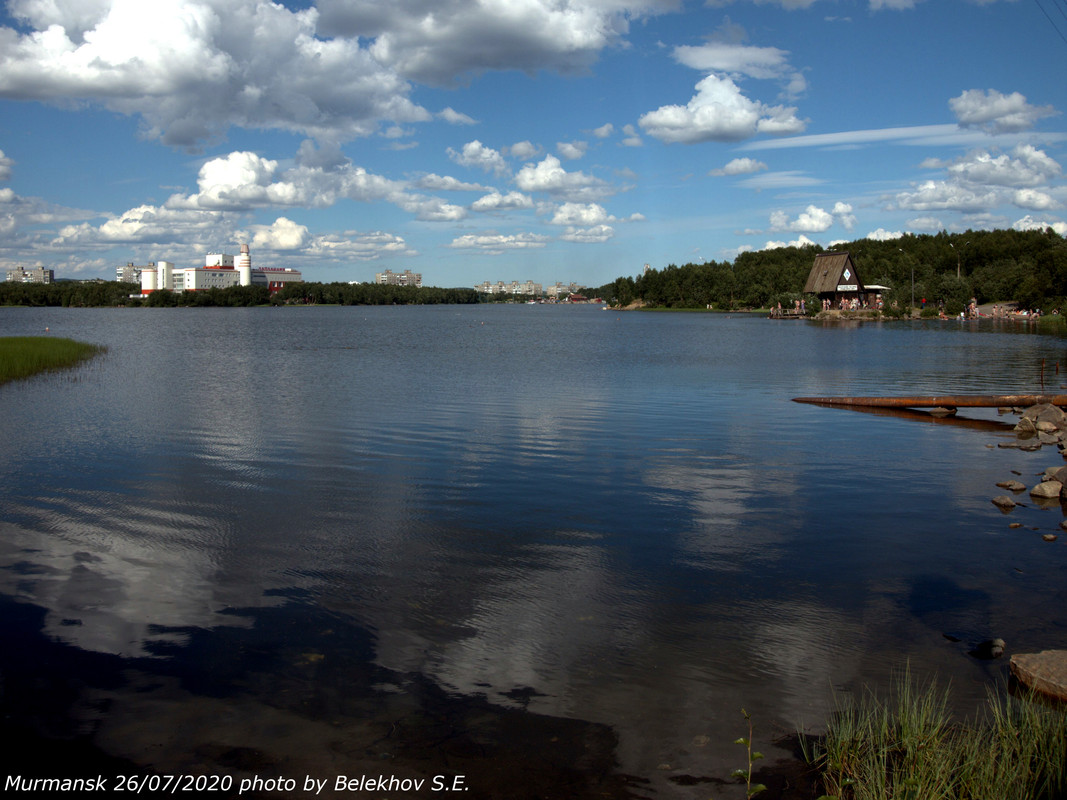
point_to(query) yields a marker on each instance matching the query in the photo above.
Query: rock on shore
(1044, 672)
(1041, 424)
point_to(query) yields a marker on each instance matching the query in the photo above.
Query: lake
(514, 546)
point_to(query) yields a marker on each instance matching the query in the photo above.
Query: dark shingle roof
(828, 272)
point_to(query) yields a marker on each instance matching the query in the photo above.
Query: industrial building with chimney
(220, 271)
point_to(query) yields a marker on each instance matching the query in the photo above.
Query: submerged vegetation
(25, 356)
(908, 747)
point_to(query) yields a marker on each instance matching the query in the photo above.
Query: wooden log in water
(940, 401)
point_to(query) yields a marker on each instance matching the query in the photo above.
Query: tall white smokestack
(244, 266)
(149, 281)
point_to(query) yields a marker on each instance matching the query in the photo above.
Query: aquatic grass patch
(908, 747)
(26, 356)
(1052, 324)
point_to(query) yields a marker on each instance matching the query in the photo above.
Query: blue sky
(551, 140)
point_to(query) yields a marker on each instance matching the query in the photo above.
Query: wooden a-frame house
(834, 277)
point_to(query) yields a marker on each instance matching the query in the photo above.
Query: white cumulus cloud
(190, 69)
(549, 176)
(595, 235)
(241, 181)
(800, 241)
(572, 150)
(148, 224)
(814, 219)
(980, 181)
(282, 234)
(441, 41)
(578, 214)
(843, 214)
(740, 60)
(996, 112)
(719, 112)
(631, 138)
(454, 117)
(495, 201)
(943, 196)
(1028, 223)
(882, 235)
(1034, 200)
(496, 243)
(929, 224)
(347, 246)
(524, 150)
(1026, 166)
(477, 155)
(739, 166)
(445, 183)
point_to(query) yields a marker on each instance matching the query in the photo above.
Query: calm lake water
(526, 545)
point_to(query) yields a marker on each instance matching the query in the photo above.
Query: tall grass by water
(908, 747)
(26, 356)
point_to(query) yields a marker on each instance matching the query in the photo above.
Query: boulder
(941, 411)
(1016, 486)
(1055, 474)
(1048, 489)
(1044, 672)
(1004, 502)
(1024, 443)
(1046, 412)
(988, 650)
(1026, 427)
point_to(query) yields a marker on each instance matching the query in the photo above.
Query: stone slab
(1044, 672)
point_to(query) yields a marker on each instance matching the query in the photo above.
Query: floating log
(940, 401)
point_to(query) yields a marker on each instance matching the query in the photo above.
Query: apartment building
(32, 275)
(405, 278)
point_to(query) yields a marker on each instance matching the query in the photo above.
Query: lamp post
(950, 244)
(901, 249)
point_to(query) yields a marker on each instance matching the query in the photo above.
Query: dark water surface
(543, 547)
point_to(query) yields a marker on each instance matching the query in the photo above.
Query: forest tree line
(113, 293)
(1029, 267)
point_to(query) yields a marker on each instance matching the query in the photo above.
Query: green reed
(25, 356)
(908, 747)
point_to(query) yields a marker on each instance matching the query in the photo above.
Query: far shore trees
(990, 266)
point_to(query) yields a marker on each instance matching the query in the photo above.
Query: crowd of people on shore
(972, 310)
(852, 304)
(998, 311)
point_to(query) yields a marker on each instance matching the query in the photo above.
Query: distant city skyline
(541, 140)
